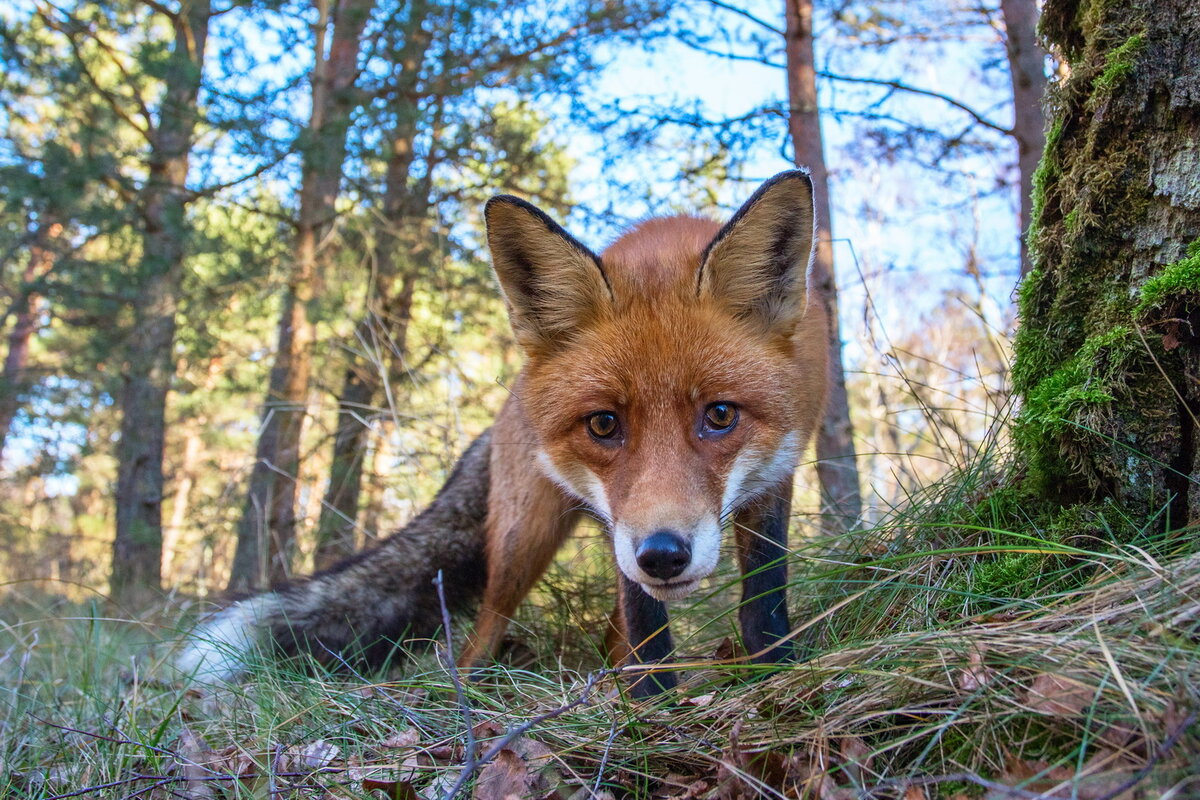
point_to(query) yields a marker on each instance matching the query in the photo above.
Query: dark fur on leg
(762, 546)
(648, 635)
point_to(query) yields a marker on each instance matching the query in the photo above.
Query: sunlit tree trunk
(27, 310)
(381, 335)
(1107, 357)
(837, 468)
(150, 358)
(267, 529)
(1027, 66)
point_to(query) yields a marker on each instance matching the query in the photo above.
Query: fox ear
(552, 284)
(758, 262)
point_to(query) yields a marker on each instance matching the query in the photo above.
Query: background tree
(1107, 355)
(150, 360)
(1027, 66)
(268, 522)
(837, 469)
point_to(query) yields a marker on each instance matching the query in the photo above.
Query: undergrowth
(971, 645)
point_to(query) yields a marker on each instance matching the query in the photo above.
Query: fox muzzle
(664, 555)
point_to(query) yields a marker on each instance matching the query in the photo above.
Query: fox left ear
(552, 284)
(758, 262)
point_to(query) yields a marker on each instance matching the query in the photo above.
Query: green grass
(959, 645)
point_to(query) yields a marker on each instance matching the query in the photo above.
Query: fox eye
(720, 417)
(603, 426)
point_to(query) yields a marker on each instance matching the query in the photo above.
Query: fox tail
(360, 608)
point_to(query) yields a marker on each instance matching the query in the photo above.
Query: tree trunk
(389, 302)
(837, 469)
(267, 529)
(150, 360)
(1027, 66)
(28, 308)
(1107, 358)
(185, 480)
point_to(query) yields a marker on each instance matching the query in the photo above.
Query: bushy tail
(361, 607)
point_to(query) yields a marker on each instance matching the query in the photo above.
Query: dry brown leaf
(728, 649)
(699, 702)
(237, 761)
(441, 785)
(317, 754)
(405, 738)
(915, 793)
(856, 758)
(197, 761)
(976, 675)
(1058, 696)
(585, 793)
(392, 790)
(506, 777)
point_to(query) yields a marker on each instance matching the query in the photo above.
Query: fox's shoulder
(658, 256)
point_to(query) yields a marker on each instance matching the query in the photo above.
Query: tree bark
(267, 529)
(1107, 357)
(27, 310)
(837, 468)
(1027, 66)
(150, 360)
(397, 260)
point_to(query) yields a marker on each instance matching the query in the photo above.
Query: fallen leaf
(197, 760)
(393, 790)
(506, 777)
(1058, 696)
(976, 675)
(405, 738)
(699, 701)
(856, 758)
(915, 793)
(317, 754)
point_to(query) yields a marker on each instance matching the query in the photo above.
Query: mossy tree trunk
(1108, 353)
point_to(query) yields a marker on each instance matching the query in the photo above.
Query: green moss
(1071, 403)
(1174, 283)
(1046, 173)
(1071, 221)
(1118, 64)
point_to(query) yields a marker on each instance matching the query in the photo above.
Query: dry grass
(1085, 686)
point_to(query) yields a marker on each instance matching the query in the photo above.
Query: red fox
(669, 387)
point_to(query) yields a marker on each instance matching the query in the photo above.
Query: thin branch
(470, 764)
(747, 15)
(902, 87)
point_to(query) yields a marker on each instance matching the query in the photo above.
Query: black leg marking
(762, 545)
(650, 639)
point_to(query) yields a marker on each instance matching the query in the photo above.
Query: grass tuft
(966, 644)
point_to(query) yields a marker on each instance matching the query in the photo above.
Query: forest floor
(1009, 665)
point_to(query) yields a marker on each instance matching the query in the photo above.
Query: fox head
(665, 379)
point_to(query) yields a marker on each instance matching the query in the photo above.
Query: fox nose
(663, 555)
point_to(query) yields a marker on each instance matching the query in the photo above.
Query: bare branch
(902, 87)
(747, 15)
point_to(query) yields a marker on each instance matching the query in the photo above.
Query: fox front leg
(644, 622)
(762, 528)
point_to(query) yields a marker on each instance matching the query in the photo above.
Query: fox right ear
(552, 284)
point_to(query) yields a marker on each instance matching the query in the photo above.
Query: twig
(103, 738)
(520, 730)
(612, 735)
(470, 764)
(1167, 744)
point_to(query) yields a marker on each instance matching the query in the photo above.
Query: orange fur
(662, 325)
